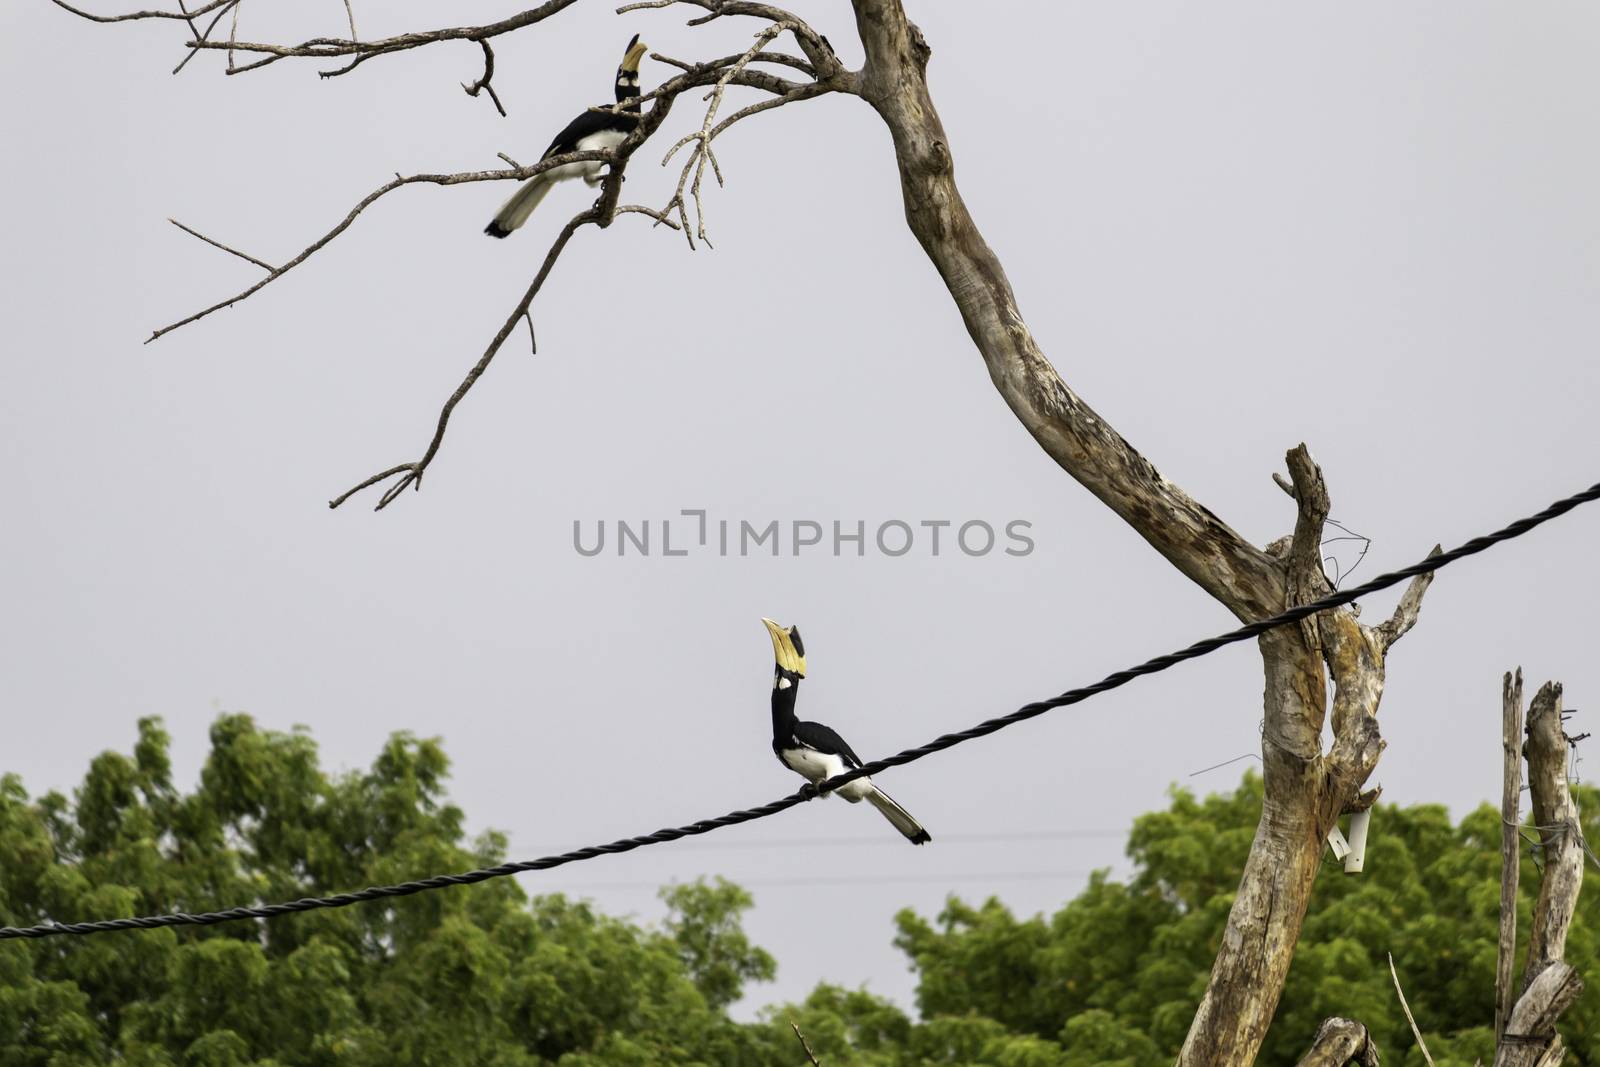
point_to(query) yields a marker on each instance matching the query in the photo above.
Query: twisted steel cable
(811, 792)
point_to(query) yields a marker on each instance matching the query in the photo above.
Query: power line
(857, 841)
(808, 881)
(809, 791)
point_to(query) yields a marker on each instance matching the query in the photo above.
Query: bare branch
(306, 253)
(268, 267)
(1405, 613)
(1510, 843)
(184, 16)
(640, 209)
(702, 138)
(206, 33)
(802, 92)
(1306, 580)
(193, 29)
(483, 83)
(413, 472)
(1421, 1044)
(781, 58)
(330, 47)
(812, 1056)
(233, 36)
(666, 94)
(718, 74)
(814, 45)
(601, 214)
(703, 152)
(374, 480)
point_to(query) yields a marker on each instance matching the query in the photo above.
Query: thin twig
(268, 267)
(760, 57)
(812, 1056)
(331, 47)
(616, 158)
(718, 74)
(703, 152)
(521, 173)
(413, 472)
(483, 83)
(193, 29)
(227, 6)
(185, 15)
(233, 35)
(1423, 1045)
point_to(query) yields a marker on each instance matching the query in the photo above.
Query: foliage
(485, 976)
(468, 976)
(1124, 965)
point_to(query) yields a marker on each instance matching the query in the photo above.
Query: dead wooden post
(1549, 984)
(1510, 842)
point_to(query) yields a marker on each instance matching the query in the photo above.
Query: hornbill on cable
(812, 750)
(589, 132)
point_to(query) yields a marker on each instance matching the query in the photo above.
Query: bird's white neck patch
(782, 683)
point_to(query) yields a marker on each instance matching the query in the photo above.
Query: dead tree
(1549, 985)
(1307, 787)
(1525, 1022)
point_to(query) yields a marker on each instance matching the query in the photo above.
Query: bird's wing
(817, 736)
(579, 128)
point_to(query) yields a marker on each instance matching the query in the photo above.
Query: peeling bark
(1530, 1038)
(1339, 1041)
(1550, 986)
(1556, 817)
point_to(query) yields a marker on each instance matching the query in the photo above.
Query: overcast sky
(1233, 227)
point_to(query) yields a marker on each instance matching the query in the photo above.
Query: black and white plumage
(811, 749)
(589, 132)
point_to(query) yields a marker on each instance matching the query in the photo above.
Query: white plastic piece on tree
(1341, 847)
(1358, 842)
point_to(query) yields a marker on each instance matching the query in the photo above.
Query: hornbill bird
(589, 132)
(811, 749)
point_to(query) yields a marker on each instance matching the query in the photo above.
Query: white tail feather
(522, 202)
(900, 817)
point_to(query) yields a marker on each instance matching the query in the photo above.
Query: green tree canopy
(486, 976)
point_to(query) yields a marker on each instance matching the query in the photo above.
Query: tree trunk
(1525, 1034)
(1306, 789)
(1549, 985)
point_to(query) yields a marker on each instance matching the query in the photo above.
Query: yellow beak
(789, 658)
(635, 53)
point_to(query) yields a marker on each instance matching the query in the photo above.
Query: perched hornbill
(812, 750)
(589, 131)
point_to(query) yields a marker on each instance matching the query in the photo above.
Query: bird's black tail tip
(494, 229)
(922, 838)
